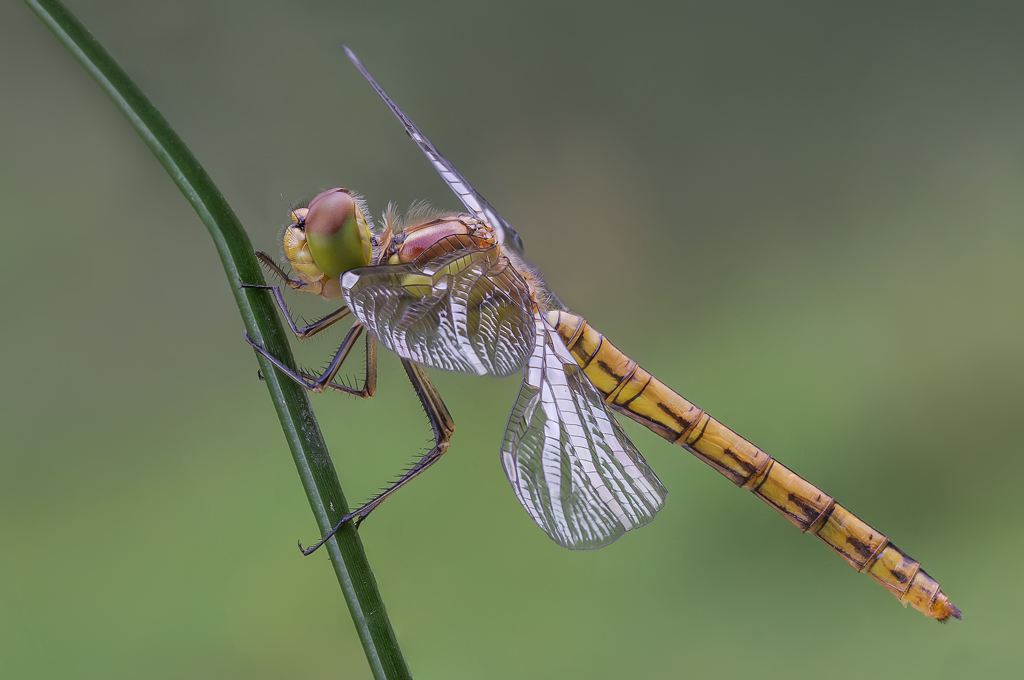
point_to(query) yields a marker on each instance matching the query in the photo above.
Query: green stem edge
(261, 320)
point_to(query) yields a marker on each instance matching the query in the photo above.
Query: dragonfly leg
(303, 332)
(442, 424)
(326, 379)
(369, 387)
(275, 269)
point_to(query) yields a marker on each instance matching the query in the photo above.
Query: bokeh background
(805, 216)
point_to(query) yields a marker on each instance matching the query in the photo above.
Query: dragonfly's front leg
(326, 379)
(302, 332)
(309, 330)
(294, 284)
(442, 424)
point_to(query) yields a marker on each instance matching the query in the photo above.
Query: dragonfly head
(328, 238)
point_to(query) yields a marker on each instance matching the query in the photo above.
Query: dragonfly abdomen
(636, 393)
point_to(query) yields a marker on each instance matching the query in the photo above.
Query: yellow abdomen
(636, 393)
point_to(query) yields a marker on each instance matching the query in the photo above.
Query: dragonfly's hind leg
(442, 424)
(326, 379)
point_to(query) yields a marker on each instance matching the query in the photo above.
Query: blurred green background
(807, 217)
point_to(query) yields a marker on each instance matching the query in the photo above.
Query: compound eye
(328, 212)
(337, 233)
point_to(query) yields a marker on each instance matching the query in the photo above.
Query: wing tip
(592, 543)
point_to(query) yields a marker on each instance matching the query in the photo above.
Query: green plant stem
(260, 317)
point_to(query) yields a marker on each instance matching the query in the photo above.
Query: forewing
(569, 461)
(466, 311)
(469, 196)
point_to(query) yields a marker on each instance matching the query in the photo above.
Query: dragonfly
(452, 291)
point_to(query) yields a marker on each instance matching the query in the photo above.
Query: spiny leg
(369, 387)
(326, 379)
(442, 424)
(294, 284)
(310, 330)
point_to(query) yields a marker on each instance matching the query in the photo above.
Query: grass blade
(260, 317)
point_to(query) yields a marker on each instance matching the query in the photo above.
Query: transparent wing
(469, 196)
(571, 465)
(455, 308)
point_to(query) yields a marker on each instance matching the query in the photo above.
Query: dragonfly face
(327, 239)
(453, 293)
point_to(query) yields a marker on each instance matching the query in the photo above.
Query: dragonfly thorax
(327, 239)
(435, 236)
